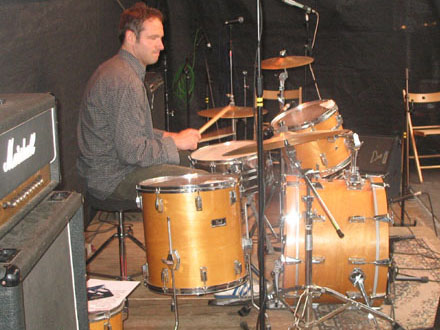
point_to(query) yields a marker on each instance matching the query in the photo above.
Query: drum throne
(118, 207)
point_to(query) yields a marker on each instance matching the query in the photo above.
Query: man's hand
(186, 139)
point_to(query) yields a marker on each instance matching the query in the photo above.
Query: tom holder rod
(315, 192)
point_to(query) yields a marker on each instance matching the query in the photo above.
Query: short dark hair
(133, 18)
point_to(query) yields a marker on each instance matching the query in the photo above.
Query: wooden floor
(149, 310)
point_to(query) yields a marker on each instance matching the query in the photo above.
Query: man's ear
(130, 36)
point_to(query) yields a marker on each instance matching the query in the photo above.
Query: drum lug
(158, 204)
(362, 261)
(324, 160)
(238, 267)
(339, 122)
(383, 218)
(318, 260)
(233, 197)
(289, 260)
(139, 201)
(356, 219)
(204, 276)
(356, 261)
(145, 271)
(212, 167)
(198, 201)
(164, 278)
(383, 262)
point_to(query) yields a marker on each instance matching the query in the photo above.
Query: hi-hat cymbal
(278, 141)
(286, 62)
(232, 113)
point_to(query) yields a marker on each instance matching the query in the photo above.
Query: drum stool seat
(118, 206)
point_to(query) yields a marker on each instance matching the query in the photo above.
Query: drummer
(117, 142)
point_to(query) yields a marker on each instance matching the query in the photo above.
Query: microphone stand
(307, 49)
(231, 82)
(405, 155)
(187, 77)
(208, 47)
(168, 113)
(261, 227)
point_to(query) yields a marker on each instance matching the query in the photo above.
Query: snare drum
(210, 158)
(327, 156)
(199, 215)
(363, 218)
(107, 319)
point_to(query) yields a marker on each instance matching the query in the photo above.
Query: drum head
(188, 183)
(215, 152)
(305, 115)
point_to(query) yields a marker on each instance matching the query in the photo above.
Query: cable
(185, 70)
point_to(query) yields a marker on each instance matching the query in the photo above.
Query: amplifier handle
(54, 136)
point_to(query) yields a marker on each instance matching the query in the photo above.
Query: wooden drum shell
(210, 239)
(362, 240)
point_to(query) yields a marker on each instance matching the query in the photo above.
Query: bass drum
(328, 156)
(363, 218)
(200, 215)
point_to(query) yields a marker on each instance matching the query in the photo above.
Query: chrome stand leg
(173, 262)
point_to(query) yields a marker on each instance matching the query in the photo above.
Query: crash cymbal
(232, 113)
(286, 62)
(278, 141)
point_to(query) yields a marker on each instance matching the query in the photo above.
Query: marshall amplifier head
(29, 162)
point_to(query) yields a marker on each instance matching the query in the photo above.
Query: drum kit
(333, 220)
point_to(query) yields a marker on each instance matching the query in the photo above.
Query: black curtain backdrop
(361, 52)
(362, 49)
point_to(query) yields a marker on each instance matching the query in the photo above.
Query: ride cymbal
(286, 62)
(278, 141)
(233, 112)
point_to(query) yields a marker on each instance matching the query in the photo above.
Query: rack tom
(328, 156)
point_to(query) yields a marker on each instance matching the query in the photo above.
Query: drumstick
(213, 120)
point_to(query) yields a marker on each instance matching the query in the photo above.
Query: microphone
(299, 5)
(207, 42)
(238, 20)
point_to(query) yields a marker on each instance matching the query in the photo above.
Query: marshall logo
(23, 152)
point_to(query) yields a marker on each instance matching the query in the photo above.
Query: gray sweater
(115, 129)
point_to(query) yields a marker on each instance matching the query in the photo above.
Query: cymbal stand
(303, 316)
(310, 44)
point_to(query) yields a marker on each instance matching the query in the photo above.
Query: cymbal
(277, 63)
(232, 113)
(278, 141)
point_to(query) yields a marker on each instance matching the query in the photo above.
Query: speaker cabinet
(42, 267)
(381, 155)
